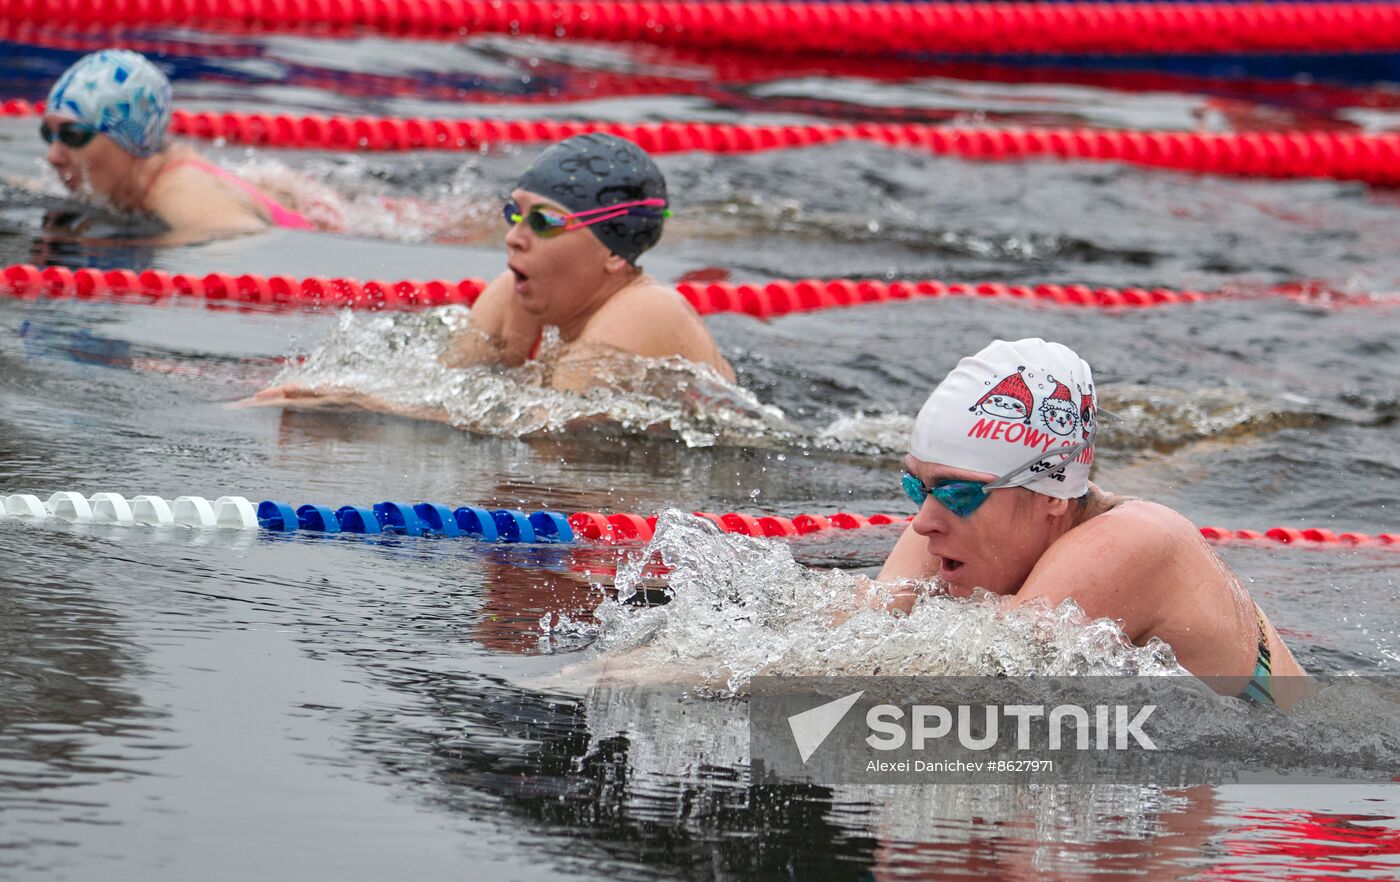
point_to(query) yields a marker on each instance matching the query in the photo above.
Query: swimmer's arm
(498, 330)
(193, 220)
(291, 396)
(909, 559)
(872, 594)
(1109, 567)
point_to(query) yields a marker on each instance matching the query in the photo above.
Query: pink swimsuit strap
(276, 212)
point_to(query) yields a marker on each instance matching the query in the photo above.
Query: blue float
(437, 520)
(357, 519)
(422, 519)
(477, 522)
(398, 517)
(318, 518)
(513, 526)
(277, 516)
(551, 526)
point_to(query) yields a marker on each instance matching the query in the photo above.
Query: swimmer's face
(555, 275)
(99, 168)
(997, 546)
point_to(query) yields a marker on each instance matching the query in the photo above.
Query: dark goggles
(70, 134)
(963, 498)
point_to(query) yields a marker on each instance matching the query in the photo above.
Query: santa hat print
(1013, 386)
(1059, 411)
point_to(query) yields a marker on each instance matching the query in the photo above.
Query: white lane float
(235, 513)
(111, 508)
(69, 506)
(24, 505)
(151, 510)
(226, 512)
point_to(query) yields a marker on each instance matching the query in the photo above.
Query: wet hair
(597, 170)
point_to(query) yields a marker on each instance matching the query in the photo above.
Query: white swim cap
(998, 408)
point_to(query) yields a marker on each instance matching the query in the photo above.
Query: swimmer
(577, 223)
(107, 123)
(999, 464)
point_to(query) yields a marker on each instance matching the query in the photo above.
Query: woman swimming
(578, 222)
(107, 122)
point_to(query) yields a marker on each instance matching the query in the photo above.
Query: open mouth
(520, 279)
(950, 565)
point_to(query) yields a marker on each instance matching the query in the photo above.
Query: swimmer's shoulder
(191, 200)
(646, 317)
(649, 300)
(655, 321)
(1146, 542)
(1117, 564)
(1137, 523)
(1153, 521)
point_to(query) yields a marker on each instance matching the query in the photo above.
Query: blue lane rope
(423, 519)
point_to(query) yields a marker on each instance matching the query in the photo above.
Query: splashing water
(395, 358)
(742, 607)
(349, 196)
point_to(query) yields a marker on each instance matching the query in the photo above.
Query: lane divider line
(1341, 155)
(505, 525)
(1110, 27)
(760, 300)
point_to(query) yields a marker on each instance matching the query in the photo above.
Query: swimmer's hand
(68, 221)
(897, 596)
(293, 395)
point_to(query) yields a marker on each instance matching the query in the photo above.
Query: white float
(24, 505)
(152, 510)
(193, 511)
(111, 508)
(236, 513)
(69, 506)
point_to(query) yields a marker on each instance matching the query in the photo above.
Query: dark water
(177, 704)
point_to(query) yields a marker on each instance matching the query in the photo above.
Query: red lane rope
(628, 527)
(856, 28)
(1299, 536)
(1374, 159)
(763, 301)
(712, 70)
(625, 527)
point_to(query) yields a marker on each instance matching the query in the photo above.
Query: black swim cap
(597, 170)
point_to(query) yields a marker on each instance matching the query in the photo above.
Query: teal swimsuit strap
(1260, 688)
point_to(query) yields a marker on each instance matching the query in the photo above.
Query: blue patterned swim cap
(118, 93)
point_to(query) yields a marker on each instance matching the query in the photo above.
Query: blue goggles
(963, 497)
